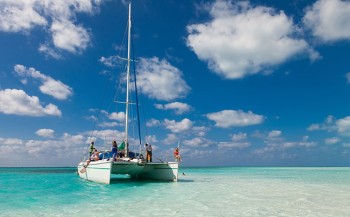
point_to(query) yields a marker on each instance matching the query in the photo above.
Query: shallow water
(219, 191)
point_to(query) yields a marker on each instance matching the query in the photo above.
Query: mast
(127, 87)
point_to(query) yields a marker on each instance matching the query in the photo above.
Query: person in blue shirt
(114, 150)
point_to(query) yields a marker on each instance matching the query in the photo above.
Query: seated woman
(93, 157)
(177, 155)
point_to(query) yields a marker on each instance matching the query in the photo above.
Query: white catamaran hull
(100, 171)
(96, 171)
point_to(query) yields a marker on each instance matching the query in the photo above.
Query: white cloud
(327, 125)
(343, 126)
(199, 130)
(19, 15)
(151, 139)
(233, 118)
(109, 124)
(119, 116)
(49, 133)
(153, 123)
(13, 101)
(197, 142)
(69, 37)
(49, 86)
(347, 75)
(274, 133)
(239, 137)
(239, 140)
(241, 40)
(111, 61)
(178, 107)
(47, 50)
(332, 141)
(177, 127)
(329, 20)
(230, 145)
(108, 135)
(58, 17)
(11, 141)
(171, 139)
(160, 80)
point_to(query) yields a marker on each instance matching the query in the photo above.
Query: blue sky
(238, 83)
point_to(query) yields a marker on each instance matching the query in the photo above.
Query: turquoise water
(219, 191)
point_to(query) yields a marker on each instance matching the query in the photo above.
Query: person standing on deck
(114, 150)
(92, 148)
(148, 152)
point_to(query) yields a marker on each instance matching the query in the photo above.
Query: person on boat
(91, 148)
(94, 157)
(121, 149)
(114, 150)
(177, 155)
(148, 152)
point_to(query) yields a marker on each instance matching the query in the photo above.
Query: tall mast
(127, 86)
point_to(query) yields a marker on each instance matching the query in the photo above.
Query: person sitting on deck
(93, 157)
(177, 155)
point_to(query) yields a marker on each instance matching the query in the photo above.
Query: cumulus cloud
(280, 146)
(108, 135)
(274, 134)
(347, 76)
(329, 20)
(241, 40)
(111, 61)
(171, 139)
(328, 125)
(198, 142)
(332, 141)
(109, 124)
(239, 137)
(49, 133)
(13, 101)
(230, 145)
(119, 116)
(341, 126)
(11, 141)
(56, 17)
(178, 107)
(69, 37)
(160, 80)
(233, 118)
(16, 16)
(177, 127)
(153, 123)
(49, 86)
(239, 140)
(48, 51)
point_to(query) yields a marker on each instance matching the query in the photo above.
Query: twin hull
(100, 171)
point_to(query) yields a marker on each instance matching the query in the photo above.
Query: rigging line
(136, 94)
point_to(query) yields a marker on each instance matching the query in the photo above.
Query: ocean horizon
(200, 191)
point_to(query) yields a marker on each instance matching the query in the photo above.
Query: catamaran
(131, 164)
